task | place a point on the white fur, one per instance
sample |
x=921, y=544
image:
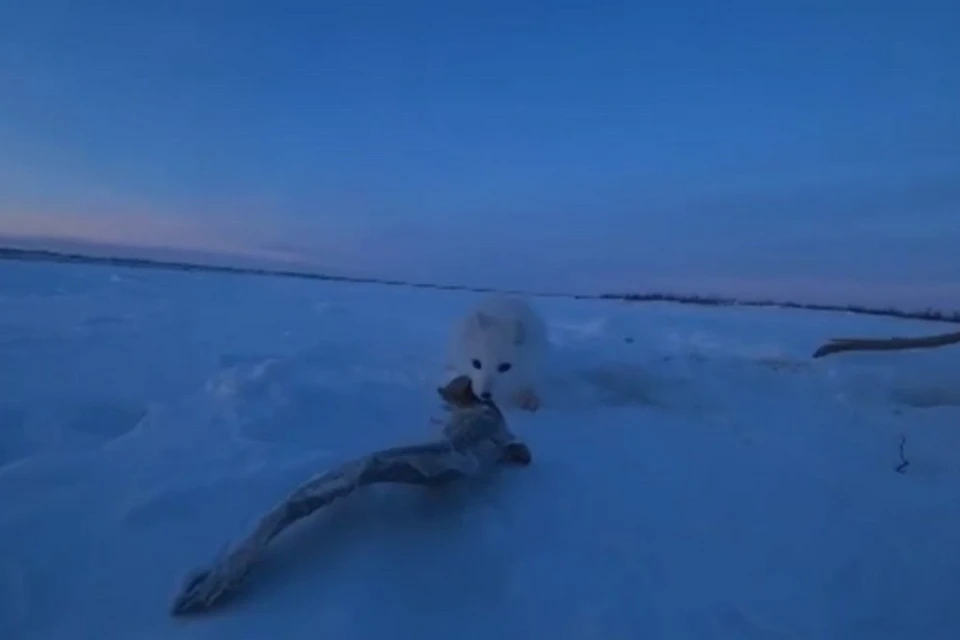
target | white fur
x=501, y=330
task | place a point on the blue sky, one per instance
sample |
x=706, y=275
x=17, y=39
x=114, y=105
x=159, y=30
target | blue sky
x=793, y=149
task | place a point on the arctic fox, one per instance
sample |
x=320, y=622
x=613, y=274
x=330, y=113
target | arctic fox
x=500, y=344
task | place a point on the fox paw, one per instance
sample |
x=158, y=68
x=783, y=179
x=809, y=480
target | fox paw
x=528, y=400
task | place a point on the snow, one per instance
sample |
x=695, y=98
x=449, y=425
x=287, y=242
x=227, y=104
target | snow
x=695, y=475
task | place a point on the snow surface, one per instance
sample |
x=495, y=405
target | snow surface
x=696, y=474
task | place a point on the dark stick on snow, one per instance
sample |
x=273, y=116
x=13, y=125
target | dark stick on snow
x=841, y=345
x=903, y=458
x=475, y=440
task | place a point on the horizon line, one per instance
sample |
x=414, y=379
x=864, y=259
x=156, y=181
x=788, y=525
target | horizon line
x=19, y=254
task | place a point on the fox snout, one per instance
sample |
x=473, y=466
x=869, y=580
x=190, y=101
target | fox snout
x=483, y=386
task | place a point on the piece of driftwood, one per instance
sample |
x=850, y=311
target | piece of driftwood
x=840, y=345
x=475, y=440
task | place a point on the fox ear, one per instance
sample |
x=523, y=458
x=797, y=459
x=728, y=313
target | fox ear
x=484, y=321
x=519, y=333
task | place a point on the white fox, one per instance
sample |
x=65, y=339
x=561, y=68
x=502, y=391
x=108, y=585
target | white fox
x=501, y=344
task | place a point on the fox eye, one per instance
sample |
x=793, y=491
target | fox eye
x=476, y=364
x=504, y=367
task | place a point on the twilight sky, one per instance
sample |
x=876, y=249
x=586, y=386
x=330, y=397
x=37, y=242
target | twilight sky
x=707, y=146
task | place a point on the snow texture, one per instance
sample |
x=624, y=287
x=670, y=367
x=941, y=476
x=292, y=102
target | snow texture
x=696, y=474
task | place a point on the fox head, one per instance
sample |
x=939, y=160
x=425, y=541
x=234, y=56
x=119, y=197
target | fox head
x=489, y=352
